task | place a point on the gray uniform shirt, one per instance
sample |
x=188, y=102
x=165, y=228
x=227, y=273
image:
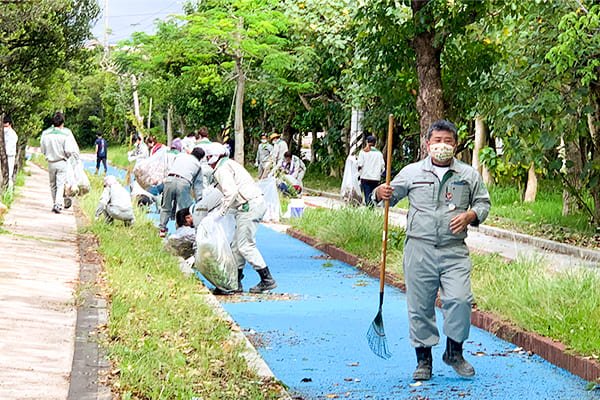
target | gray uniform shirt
x=188, y=167
x=433, y=203
x=58, y=144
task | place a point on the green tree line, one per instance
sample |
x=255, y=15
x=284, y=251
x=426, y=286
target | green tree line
x=520, y=80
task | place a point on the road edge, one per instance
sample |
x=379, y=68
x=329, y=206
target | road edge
x=549, y=349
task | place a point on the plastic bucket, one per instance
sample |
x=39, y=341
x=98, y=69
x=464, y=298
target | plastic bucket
x=296, y=208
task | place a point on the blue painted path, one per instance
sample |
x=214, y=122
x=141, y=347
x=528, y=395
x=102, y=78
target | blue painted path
x=312, y=333
x=313, y=337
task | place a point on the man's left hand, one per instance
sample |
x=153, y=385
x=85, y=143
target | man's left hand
x=461, y=221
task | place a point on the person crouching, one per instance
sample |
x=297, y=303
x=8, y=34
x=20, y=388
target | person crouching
x=115, y=203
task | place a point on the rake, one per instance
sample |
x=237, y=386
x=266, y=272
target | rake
x=376, y=334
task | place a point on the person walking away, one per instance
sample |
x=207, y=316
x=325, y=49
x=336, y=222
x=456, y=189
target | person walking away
x=244, y=199
x=139, y=152
x=204, y=141
x=262, y=155
x=115, y=203
x=100, y=153
x=183, y=175
x=445, y=196
x=293, y=167
x=58, y=144
x=279, y=149
x=370, y=167
x=10, y=144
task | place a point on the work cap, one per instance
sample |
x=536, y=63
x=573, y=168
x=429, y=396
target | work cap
x=176, y=144
x=275, y=135
x=109, y=180
x=213, y=151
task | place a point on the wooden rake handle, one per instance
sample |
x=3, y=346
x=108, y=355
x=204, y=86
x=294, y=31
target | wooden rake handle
x=386, y=212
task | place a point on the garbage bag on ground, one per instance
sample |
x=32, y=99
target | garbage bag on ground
x=71, y=186
x=269, y=188
x=83, y=183
x=182, y=242
x=211, y=199
x=153, y=170
x=214, y=258
x=350, y=190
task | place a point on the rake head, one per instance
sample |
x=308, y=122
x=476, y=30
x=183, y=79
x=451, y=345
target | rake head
x=376, y=338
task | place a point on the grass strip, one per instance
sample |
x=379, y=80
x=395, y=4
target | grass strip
x=561, y=305
x=164, y=340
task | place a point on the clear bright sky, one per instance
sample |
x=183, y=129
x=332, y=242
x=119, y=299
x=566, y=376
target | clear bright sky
x=128, y=16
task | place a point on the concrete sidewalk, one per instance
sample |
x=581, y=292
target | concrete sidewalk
x=39, y=271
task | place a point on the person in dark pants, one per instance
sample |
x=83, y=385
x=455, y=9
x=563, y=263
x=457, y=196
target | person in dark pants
x=370, y=168
x=100, y=153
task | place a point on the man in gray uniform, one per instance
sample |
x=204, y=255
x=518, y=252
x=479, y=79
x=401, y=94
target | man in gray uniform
x=115, y=203
x=184, y=174
x=58, y=144
x=262, y=155
x=244, y=199
x=445, y=196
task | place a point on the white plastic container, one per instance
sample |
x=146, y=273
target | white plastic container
x=296, y=208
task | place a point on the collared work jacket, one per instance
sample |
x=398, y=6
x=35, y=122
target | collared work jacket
x=433, y=203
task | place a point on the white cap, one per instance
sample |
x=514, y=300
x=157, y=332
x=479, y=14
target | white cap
x=213, y=151
x=109, y=180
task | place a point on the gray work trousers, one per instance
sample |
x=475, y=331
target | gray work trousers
x=57, y=173
x=111, y=212
x=176, y=195
x=243, y=244
x=426, y=269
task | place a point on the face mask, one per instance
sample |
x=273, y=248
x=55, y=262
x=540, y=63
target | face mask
x=441, y=152
x=263, y=140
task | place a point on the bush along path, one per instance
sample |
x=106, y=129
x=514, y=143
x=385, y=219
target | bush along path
x=311, y=333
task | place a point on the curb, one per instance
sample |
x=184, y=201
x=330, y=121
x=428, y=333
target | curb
x=545, y=244
x=88, y=356
x=551, y=350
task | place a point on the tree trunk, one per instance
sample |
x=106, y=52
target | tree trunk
x=430, y=102
x=481, y=138
x=532, y=183
x=170, y=125
x=240, y=81
x=570, y=151
x=136, y=107
x=3, y=158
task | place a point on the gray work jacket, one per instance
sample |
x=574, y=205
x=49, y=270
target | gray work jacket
x=433, y=204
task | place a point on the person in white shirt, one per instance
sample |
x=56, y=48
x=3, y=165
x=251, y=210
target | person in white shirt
x=139, y=152
x=10, y=143
x=370, y=168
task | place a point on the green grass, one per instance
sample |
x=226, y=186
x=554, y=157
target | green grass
x=164, y=339
x=318, y=181
x=357, y=230
x=563, y=306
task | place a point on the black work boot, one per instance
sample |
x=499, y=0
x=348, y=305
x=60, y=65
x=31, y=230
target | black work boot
x=425, y=364
x=266, y=281
x=453, y=357
x=240, y=289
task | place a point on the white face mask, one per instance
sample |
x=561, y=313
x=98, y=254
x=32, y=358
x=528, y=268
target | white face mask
x=263, y=140
x=441, y=152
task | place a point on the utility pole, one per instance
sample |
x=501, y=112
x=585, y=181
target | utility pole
x=106, y=48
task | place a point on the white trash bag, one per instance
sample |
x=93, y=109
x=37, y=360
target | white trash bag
x=269, y=188
x=83, y=183
x=71, y=187
x=350, y=190
x=153, y=170
x=182, y=242
x=214, y=258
